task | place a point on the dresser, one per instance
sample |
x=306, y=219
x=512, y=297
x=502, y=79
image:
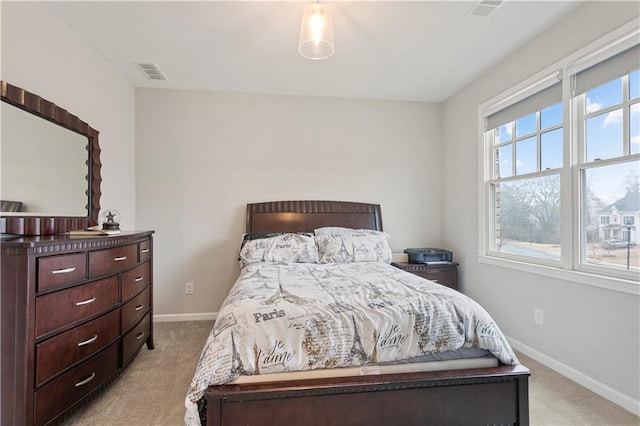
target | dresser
x=443, y=273
x=75, y=312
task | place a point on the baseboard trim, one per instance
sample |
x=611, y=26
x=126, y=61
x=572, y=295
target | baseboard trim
x=204, y=316
x=582, y=379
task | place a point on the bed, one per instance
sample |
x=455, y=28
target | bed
x=242, y=379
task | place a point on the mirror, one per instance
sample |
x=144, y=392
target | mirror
x=50, y=167
x=43, y=165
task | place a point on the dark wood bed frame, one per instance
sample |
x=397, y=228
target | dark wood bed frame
x=495, y=396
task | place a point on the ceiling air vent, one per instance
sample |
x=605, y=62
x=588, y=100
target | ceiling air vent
x=485, y=7
x=151, y=71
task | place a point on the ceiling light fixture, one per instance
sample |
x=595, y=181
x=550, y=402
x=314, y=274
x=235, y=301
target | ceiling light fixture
x=316, y=33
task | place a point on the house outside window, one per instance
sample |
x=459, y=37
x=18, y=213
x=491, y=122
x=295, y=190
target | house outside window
x=564, y=149
x=627, y=208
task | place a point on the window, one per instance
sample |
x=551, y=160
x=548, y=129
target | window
x=608, y=116
x=526, y=142
x=562, y=165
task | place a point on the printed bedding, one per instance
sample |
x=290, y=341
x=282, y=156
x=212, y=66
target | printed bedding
x=305, y=316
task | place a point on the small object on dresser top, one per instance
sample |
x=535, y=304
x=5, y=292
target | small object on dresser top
x=110, y=219
x=93, y=232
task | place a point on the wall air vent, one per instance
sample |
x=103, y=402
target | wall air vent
x=151, y=71
x=485, y=7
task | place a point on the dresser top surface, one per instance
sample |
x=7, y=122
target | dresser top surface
x=57, y=239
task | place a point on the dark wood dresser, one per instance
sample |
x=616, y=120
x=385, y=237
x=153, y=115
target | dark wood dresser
x=75, y=312
x=445, y=274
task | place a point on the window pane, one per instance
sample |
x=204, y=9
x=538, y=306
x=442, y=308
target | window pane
x=609, y=216
x=604, y=96
x=604, y=135
x=551, y=116
x=634, y=85
x=526, y=158
x=505, y=161
x=551, y=149
x=634, y=128
x=526, y=125
x=505, y=132
x=528, y=217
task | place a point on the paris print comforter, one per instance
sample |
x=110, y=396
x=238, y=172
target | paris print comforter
x=305, y=316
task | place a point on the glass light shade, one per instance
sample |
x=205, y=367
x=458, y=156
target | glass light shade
x=109, y=219
x=316, y=33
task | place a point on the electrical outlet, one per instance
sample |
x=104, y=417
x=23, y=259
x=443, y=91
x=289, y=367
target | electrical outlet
x=188, y=288
x=538, y=316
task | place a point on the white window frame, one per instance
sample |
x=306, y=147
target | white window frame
x=569, y=267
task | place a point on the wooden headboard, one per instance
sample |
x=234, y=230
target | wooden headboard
x=305, y=216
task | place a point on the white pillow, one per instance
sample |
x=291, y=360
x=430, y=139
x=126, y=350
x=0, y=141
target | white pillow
x=280, y=248
x=343, y=245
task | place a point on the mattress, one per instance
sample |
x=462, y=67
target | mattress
x=486, y=361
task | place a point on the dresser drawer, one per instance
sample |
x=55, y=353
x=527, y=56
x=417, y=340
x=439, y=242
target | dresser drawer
x=103, y=262
x=64, y=307
x=134, y=339
x=63, y=392
x=54, y=271
x=444, y=277
x=135, y=280
x=135, y=309
x=64, y=350
x=145, y=250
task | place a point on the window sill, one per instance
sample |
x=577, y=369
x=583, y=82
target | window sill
x=609, y=283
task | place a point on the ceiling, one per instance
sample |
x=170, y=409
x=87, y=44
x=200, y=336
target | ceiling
x=411, y=51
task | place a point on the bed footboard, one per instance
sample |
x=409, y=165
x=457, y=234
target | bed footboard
x=476, y=396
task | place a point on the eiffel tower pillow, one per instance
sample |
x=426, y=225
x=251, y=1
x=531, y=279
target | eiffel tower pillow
x=279, y=248
x=355, y=245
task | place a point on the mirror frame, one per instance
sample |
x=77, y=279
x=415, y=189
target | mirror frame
x=46, y=225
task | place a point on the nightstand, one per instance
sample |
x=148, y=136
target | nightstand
x=445, y=274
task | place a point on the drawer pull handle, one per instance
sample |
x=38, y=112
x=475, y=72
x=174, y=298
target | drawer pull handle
x=140, y=335
x=87, y=342
x=85, y=381
x=64, y=271
x=145, y=250
x=86, y=302
x=139, y=307
x=120, y=259
x=138, y=279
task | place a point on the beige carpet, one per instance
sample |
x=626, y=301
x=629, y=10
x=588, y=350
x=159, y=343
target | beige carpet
x=152, y=390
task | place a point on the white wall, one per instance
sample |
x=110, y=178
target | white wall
x=202, y=156
x=594, y=331
x=41, y=54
